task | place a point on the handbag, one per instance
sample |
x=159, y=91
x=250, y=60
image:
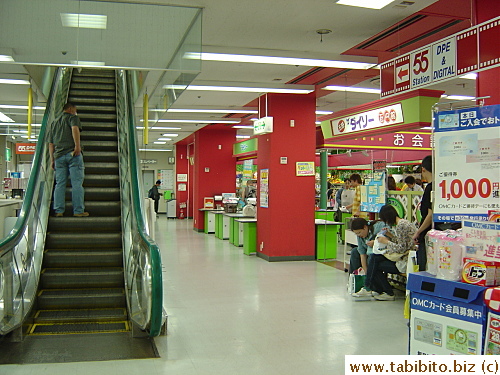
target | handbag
x=394, y=257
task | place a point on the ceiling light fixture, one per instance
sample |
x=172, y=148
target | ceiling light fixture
x=197, y=121
x=160, y=143
x=170, y=135
x=242, y=136
x=469, y=76
x=14, y=81
x=5, y=118
x=372, y=4
x=157, y=128
x=13, y=106
x=178, y=110
x=352, y=89
x=86, y=21
x=242, y=89
x=6, y=58
x=243, y=127
x=88, y=63
x=164, y=139
x=153, y=149
x=324, y=112
x=458, y=97
x=226, y=57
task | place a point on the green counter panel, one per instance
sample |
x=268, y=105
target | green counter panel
x=249, y=238
x=326, y=241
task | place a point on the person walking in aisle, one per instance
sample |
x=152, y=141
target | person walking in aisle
x=67, y=160
x=411, y=184
x=154, y=194
x=356, y=183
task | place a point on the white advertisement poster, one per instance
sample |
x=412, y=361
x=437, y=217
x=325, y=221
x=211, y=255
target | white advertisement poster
x=467, y=163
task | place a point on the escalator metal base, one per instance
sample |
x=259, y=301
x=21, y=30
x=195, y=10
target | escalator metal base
x=76, y=348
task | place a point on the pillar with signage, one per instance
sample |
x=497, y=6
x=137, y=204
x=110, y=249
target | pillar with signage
x=286, y=178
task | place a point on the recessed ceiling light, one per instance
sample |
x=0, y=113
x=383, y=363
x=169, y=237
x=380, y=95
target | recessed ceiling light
x=177, y=110
x=240, y=89
x=87, y=21
x=242, y=136
x=5, y=118
x=14, y=81
x=170, y=135
x=153, y=149
x=469, y=76
x=164, y=139
x=372, y=4
x=157, y=128
x=277, y=60
x=13, y=106
x=90, y=63
x=242, y=127
x=352, y=89
x=324, y=112
x=6, y=58
x=160, y=143
x=459, y=97
x=197, y=121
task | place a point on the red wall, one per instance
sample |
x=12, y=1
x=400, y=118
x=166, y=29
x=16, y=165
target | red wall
x=213, y=149
x=286, y=228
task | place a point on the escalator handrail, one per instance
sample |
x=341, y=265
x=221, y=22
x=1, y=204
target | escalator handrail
x=15, y=235
x=154, y=251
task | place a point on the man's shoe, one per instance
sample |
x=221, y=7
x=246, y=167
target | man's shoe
x=83, y=214
x=384, y=297
x=59, y=214
x=362, y=293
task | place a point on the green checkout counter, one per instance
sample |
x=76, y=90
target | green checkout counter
x=326, y=238
x=330, y=215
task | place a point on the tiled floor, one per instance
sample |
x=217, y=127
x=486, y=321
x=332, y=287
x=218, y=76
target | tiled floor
x=234, y=314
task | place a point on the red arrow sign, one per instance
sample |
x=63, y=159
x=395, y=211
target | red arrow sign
x=402, y=73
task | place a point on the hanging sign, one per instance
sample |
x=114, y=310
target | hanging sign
x=473, y=49
x=467, y=163
x=389, y=115
x=25, y=148
x=263, y=125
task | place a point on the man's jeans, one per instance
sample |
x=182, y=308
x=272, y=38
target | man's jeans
x=73, y=167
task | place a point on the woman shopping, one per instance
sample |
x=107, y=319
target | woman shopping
x=398, y=242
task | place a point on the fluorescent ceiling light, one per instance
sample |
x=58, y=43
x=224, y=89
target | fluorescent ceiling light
x=160, y=143
x=5, y=118
x=243, y=127
x=13, y=106
x=196, y=121
x=164, y=139
x=91, y=63
x=178, y=110
x=157, y=128
x=14, y=81
x=87, y=21
x=318, y=122
x=469, y=76
x=153, y=149
x=6, y=58
x=239, y=89
x=277, y=60
x=242, y=136
x=458, y=97
x=324, y=112
x=426, y=128
x=372, y=4
x=352, y=89
x=20, y=131
x=170, y=135
x=19, y=124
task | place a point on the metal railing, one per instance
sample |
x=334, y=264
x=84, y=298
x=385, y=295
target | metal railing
x=142, y=261
x=21, y=252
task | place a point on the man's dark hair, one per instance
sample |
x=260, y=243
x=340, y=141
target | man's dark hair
x=427, y=163
x=158, y=182
x=358, y=223
x=356, y=177
x=388, y=214
x=410, y=180
x=68, y=105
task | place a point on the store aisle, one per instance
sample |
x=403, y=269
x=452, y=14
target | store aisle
x=234, y=314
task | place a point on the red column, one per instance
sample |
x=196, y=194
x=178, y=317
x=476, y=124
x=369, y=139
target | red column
x=214, y=167
x=285, y=230
x=488, y=81
x=181, y=167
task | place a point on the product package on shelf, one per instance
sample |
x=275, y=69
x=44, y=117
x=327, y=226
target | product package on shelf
x=480, y=272
x=450, y=254
x=492, y=336
x=432, y=250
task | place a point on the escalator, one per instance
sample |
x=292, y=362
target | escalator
x=68, y=283
x=82, y=282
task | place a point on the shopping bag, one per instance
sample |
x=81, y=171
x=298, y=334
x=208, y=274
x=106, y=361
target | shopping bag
x=355, y=283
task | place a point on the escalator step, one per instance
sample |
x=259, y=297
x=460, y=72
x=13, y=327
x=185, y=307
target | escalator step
x=82, y=100
x=99, y=135
x=92, y=93
x=83, y=224
x=83, y=240
x=101, y=156
x=107, y=194
x=91, y=298
x=91, y=277
x=98, y=116
x=93, y=86
x=87, y=315
x=95, y=208
x=82, y=258
x=99, y=145
x=99, y=180
x=84, y=78
x=102, y=168
x=72, y=328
